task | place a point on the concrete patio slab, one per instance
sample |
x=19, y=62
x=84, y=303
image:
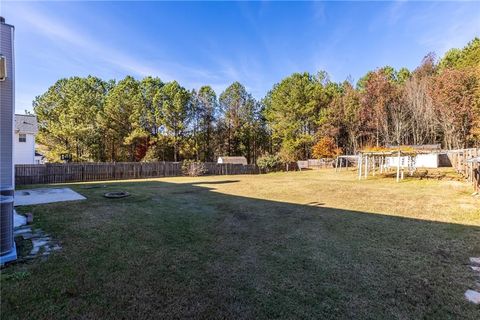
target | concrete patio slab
x=45, y=195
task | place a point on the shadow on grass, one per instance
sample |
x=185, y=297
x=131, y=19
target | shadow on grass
x=181, y=251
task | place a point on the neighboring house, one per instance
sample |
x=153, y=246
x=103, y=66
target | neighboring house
x=39, y=158
x=232, y=160
x=24, y=141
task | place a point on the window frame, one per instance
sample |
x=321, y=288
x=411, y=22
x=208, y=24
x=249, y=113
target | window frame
x=22, y=137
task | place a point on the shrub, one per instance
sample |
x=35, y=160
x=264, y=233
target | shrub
x=326, y=148
x=268, y=162
x=193, y=168
x=287, y=156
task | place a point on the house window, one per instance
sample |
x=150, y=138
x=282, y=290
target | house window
x=22, y=137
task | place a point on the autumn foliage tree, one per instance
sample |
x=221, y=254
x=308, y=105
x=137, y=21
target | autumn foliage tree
x=326, y=148
x=453, y=94
x=303, y=115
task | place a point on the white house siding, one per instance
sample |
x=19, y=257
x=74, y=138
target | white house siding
x=24, y=152
x=6, y=108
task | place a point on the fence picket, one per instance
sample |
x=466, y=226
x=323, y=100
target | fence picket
x=470, y=170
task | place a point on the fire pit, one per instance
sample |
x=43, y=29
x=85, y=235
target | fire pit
x=116, y=194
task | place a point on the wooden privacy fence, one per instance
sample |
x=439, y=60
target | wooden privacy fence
x=470, y=170
x=83, y=172
x=315, y=164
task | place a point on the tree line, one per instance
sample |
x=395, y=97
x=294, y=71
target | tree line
x=147, y=120
x=304, y=115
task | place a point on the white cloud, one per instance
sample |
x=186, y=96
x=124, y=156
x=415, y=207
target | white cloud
x=78, y=50
x=463, y=26
x=50, y=26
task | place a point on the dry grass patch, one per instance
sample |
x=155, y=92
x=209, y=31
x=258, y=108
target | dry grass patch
x=314, y=244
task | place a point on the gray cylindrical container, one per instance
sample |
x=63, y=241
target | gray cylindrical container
x=6, y=224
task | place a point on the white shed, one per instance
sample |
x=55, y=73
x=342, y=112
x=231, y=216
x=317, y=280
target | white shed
x=427, y=160
x=422, y=160
x=232, y=160
x=427, y=156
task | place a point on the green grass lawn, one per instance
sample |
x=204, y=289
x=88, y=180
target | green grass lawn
x=313, y=244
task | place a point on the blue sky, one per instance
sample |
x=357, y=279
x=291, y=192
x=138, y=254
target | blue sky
x=216, y=43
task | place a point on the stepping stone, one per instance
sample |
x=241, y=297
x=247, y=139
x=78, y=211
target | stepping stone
x=22, y=230
x=18, y=220
x=475, y=260
x=472, y=296
x=37, y=244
